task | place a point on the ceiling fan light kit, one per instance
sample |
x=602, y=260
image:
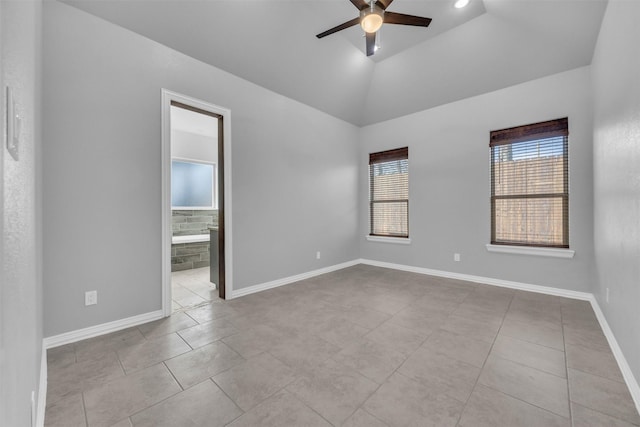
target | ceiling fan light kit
x=372, y=16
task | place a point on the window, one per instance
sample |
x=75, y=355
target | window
x=389, y=193
x=530, y=185
x=192, y=185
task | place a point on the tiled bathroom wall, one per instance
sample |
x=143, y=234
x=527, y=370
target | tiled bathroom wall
x=185, y=256
x=186, y=222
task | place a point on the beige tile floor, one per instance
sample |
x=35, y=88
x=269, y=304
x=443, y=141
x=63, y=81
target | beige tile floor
x=363, y=346
x=190, y=288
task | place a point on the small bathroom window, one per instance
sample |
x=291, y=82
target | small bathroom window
x=192, y=185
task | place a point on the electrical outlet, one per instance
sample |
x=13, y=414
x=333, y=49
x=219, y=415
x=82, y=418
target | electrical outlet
x=318, y=255
x=456, y=257
x=607, y=296
x=91, y=298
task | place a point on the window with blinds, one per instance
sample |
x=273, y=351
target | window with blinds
x=530, y=185
x=389, y=193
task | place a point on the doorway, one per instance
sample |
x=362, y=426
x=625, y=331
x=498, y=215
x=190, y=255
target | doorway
x=196, y=195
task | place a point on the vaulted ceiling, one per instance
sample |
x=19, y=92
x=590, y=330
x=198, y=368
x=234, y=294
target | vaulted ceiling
x=489, y=45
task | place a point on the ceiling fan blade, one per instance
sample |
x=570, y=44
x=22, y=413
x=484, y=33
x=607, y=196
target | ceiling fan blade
x=383, y=3
x=402, y=19
x=360, y=4
x=340, y=27
x=371, y=43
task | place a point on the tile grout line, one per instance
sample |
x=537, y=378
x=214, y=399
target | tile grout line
x=392, y=373
x=527, y=403
x=535, y=343
x=185, y=341
x=307, y=406
x=172, y=375
x=606, y=415
x=84, y=408
x=531, y=367
x=371, y=415
x=464, y=407
x=124, y=371
x=543, y=371
x=566, y=365
x=598, y=376
x=588, y=373
x=166, y=398
x=229, y=397
x=364, y=336
x=331, y=358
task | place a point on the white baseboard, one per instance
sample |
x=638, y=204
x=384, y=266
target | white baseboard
x=93, y=331
x=485, y=280
x=42, y=388
x=291, y=279
x=627, y=374
x=105, y=328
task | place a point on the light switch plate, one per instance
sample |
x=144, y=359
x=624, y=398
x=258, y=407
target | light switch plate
x=13, y=126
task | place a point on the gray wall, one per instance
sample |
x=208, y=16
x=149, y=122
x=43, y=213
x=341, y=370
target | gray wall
x=616, y=67
x=449, y=182
x=20, y=196
x=102, y=98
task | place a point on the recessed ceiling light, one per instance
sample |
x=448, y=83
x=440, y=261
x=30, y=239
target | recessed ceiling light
x=459, y=4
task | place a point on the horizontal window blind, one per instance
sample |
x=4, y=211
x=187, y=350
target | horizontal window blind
x=530, y=185
x=389, y=193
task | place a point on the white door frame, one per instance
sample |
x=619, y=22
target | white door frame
x=167, y=98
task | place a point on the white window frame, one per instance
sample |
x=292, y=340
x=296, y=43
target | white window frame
x=214, y=190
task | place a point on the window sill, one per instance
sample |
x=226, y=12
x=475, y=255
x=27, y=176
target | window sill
x=396, y=240
x=528, y=250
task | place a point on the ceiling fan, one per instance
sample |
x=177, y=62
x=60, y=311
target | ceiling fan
x=372, y=15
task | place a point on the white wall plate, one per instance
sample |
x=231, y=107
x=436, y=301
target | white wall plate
x=13, y=127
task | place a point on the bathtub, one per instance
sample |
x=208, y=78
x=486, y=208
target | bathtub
x=196, y=238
